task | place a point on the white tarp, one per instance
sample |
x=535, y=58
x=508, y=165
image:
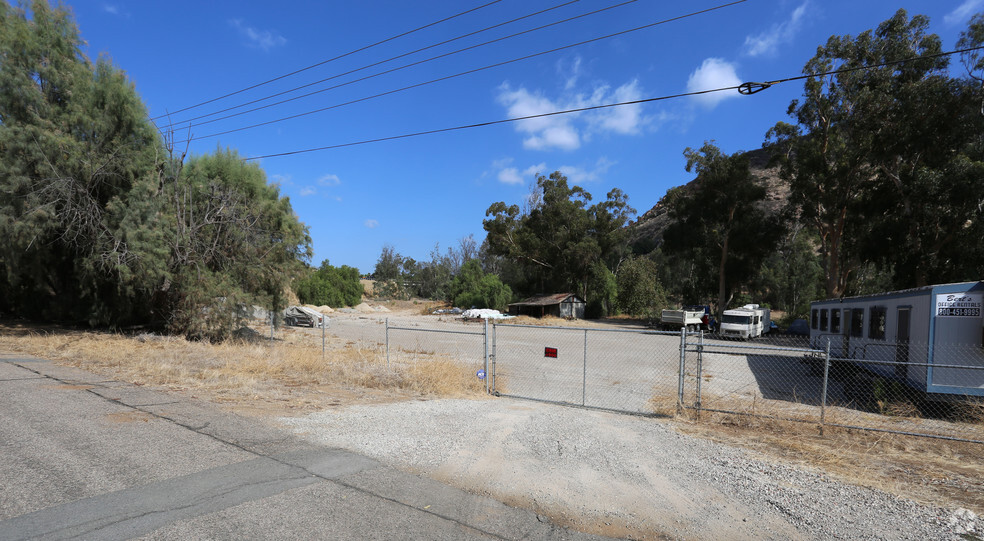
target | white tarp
x=302, y=315
x=484, y=313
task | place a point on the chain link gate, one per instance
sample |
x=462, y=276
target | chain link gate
x=625, y=370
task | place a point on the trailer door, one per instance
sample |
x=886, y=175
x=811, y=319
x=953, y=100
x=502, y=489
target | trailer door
x=902, y=342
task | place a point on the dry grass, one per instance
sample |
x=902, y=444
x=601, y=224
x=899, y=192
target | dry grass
x=290, y=372
x=932, y=471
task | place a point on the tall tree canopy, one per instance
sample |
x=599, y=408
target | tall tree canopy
x=79, y=231
x=884, y=160
x=719, y=222
x=562, y=243
x=98, y=224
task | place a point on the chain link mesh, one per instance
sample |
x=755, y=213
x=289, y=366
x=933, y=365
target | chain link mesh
x=882, y=387
x=625, y=370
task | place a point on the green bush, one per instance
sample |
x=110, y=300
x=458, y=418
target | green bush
x=331, y=286
x=473, y=288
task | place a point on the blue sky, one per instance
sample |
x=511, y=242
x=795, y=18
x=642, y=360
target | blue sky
x=413, y=193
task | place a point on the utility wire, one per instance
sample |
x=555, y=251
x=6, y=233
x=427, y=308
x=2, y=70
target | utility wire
x=490, y=66
x=295, y=72
x=288, y=91
x=610, y=105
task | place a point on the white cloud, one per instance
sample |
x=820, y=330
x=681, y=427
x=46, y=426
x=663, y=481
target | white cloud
x=263, y=39
x=580, y=175
x=624, y=119
x=963, y=12
x=371, y=224
x=535, y=170
x=308, y=190
x=571, y=72
x=329, y=180
x=544, y=132
x=768, y=42
x=510, y=175
x=569, y=131
x=713, y=73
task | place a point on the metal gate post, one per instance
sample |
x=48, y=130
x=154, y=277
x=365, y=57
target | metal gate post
x=683, y=367
x=823, y=392
x=584, y=373
x=387, y=343
x=485, y=354
x=700, y=368
x=494, y=355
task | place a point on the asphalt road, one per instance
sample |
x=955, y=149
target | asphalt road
x=83, y=457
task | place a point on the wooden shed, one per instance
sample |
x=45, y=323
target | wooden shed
x=566, y=305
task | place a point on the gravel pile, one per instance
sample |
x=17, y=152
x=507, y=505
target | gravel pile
x=621, y=475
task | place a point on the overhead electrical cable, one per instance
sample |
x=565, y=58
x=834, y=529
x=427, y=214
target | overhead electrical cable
x=468, y=72
x=176, y=124
x=760, y=86
x=360, y=49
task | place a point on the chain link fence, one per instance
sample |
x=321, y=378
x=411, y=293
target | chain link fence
x=635, y=371
x=880, y=387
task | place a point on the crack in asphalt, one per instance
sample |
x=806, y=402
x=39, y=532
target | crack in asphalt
x=257, y=454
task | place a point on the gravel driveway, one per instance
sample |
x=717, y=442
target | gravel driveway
x=621, y=475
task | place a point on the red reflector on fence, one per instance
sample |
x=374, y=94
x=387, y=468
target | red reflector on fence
x=550, y=352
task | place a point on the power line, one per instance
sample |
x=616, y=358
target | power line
x=490, y=66
x=173, y=124
x=295, y=72
x=760, y=86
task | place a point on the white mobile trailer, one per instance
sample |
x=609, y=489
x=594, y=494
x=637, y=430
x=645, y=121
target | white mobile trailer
x=749, y=321
x=923, y=337
x=674, y=319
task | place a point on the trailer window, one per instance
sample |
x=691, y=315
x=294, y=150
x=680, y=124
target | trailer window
x=876, y=323
x=857, y=322
x=813, y=318
x=823, y=319
x=835, y=321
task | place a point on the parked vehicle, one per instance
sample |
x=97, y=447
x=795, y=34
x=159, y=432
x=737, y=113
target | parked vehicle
x=694, y=318
x=301, y=316
x=799, y=327
x=928, y=338
x=749, y=321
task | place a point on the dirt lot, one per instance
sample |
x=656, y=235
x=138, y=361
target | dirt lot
x=290, y=378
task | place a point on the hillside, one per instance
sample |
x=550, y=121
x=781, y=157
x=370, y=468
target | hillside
x=646, y=233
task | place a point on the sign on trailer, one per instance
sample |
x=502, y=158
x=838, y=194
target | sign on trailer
x=550, y=352
x=959, y=305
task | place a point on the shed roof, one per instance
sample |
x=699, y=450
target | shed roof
x=547, y=300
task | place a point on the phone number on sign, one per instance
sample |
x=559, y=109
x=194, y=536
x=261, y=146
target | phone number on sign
x=959, y=312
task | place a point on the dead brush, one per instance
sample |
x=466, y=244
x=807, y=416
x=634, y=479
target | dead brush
x=243, y=368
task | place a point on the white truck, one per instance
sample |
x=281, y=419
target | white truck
x=749, y=321
x=690, y=317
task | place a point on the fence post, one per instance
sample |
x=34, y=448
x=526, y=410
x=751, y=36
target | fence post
x=387, y=343
x=324, y=323
x=584, y=373
x=700, y=368
x=683, y=367
x=485, y=355
x=495, y=355
x=823, y=391
x=273, y=319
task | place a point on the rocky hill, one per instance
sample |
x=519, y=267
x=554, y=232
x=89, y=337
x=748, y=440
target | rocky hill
x=646, y=233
